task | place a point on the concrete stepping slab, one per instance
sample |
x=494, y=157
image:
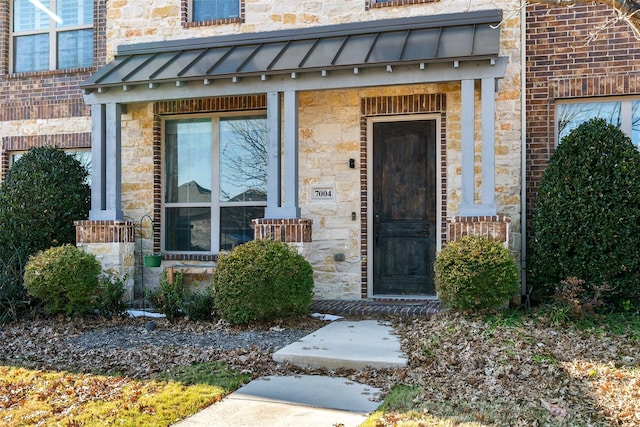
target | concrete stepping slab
x=301, y=400
x=346, y=344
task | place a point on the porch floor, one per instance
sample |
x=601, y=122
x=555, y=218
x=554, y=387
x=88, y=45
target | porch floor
x=376, y=307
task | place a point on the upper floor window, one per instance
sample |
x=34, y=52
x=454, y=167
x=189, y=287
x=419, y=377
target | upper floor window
x=52, y=34
x=215, y=10
x=623, y=113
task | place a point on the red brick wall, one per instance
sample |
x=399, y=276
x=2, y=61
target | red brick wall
x=45, y=94
x=562, y=63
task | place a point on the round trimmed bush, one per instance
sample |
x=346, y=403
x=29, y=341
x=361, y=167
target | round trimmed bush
x=262, y=280
x=586, y=222
x=475, y=273
x=64, y=278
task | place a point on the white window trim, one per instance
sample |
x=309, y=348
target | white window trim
x=215, y=203
x=53, y=30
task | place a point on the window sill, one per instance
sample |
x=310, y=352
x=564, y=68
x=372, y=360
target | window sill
x=194, y=24
x=189, y=257
x=377, y=5
x=44, y=73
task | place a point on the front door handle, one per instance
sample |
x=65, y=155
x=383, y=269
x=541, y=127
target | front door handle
x=376, y=228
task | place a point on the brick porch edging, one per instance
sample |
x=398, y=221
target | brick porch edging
x=408, y=308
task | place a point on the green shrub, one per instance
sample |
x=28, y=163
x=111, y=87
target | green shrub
x=40, y=197
x=586, y=221
x=168, y=297
x=43, y=193
x=474, y=273
x=261, y=280
x=198, y=305
x=64, y=278
x=110, y=295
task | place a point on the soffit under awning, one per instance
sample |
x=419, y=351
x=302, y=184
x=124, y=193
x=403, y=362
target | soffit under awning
x=327, y=51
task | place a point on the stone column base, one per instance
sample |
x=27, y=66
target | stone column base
x=113, y=244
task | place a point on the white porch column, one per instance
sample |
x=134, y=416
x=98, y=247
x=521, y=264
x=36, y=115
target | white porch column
x=488, y=120
x=277, y=208
x=106, y=162
x=291, y=208
x=487, y=206
x=274, y=154
x=467, y=133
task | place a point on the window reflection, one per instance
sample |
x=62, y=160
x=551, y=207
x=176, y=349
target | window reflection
x=235, y=225
x=188, y=229
x=188, y=161
x=206, y=10
x=570, y=116
x=243, y=160
x=622, y=113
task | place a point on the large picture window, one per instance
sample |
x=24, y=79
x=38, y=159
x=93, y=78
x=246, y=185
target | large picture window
x=215, y=181
x=623, y=113
x=52, y=34
x=215, y=10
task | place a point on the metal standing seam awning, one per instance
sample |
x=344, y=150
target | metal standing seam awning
x=460, y=47
x=383, y=44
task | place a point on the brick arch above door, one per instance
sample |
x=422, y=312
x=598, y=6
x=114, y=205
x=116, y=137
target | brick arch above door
x=396, y=106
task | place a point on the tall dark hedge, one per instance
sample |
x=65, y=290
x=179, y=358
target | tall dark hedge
x=586, y=222
x=42, y=194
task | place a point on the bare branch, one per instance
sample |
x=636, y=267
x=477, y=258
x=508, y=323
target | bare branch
x=625, y=10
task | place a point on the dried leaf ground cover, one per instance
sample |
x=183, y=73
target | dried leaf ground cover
x=464, y=370
x=521, y=370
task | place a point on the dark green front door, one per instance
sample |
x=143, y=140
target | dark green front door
x=404, y=207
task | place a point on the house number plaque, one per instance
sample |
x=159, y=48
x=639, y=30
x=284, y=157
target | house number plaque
x=322, y=193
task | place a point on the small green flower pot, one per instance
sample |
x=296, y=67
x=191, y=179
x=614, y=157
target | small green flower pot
x=152, y=260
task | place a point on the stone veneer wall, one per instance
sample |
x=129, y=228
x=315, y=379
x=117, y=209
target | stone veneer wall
x=134, y=21
x=113, y=244
x=330, y=128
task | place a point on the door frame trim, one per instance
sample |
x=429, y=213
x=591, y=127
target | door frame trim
x=437, y=117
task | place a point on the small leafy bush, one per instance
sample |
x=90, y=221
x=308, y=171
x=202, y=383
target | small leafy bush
x=110, y=295
x=262, y=280
x=198, y=305
x=168, y=297
x=64, y=279
x=475, y=273
x=586, y=221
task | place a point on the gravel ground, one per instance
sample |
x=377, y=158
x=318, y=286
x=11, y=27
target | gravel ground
x=135, y=336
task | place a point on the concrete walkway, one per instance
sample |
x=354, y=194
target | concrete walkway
x=312, y=400
x=346, y=344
